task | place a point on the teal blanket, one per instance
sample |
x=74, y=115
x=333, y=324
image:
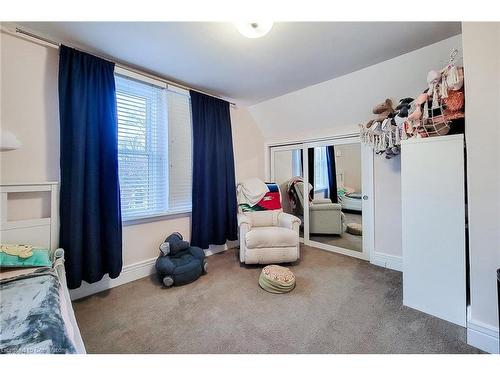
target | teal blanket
x=31, y=316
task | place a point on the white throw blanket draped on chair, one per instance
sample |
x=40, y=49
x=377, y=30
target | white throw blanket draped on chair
x=251, y=191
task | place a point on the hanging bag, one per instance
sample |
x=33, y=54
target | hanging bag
x=455, y=78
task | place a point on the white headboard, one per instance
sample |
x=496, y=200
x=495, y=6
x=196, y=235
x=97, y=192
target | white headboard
x=41, y=232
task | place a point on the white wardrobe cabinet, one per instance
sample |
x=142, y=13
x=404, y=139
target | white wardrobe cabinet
x=433, y=219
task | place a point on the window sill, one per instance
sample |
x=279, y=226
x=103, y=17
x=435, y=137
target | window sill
x=152, y=218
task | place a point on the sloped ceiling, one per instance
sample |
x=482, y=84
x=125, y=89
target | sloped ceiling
x=216, y=58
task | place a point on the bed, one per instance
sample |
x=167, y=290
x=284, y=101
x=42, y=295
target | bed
x=351, y=202
x=36, y=314
x=349, y=199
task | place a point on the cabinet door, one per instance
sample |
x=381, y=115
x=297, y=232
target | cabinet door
x=433, y=204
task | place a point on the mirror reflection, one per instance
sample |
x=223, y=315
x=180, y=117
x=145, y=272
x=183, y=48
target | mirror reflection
x=335, y=196
x=287, y=169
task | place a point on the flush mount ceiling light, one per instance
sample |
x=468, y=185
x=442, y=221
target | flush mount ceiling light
x=254, y=29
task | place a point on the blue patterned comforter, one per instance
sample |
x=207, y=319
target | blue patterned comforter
x=31, y=320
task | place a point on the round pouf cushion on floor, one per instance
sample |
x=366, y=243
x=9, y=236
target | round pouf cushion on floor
x=354, y=228
x=276, y=279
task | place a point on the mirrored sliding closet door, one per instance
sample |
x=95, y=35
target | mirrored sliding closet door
x=328, y=185
x=335, y=197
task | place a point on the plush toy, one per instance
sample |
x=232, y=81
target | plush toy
x=179, y=263
x=173, y=244
x=416, y=113
x=22, y=251
x=383, y=110
x=403, y=107
x=433, y=79
x=394, y=125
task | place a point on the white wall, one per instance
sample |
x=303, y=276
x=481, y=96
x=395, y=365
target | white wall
x=29, y=108
x=481, y=44
x=387, y=191
x=283, y=166
x=336, y=107
x=248, y=144
x=349, y=162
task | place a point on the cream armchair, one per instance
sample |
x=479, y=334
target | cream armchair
x=325, y=217
x=268, y=237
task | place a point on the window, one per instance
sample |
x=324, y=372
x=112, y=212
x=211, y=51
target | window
x=320, y=169
x=154, y=147
x=321, y=181
x=297, y=162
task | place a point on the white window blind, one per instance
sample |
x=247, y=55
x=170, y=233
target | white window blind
x=179, y=150
x=154, y=147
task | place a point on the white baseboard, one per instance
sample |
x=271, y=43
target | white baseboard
x=129, y=273
x=482, y=336
x=392, y=262
x=214, y=249
x=134, y=272
x=339, y=250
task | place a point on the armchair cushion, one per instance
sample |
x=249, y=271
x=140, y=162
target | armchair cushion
x=286, y=220
x=244, y=219
x=262, y=218
x=260, y=237
x=321, y=201
x=326, y=207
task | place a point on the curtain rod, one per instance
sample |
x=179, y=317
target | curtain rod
x=120, y=65
x=312, y=140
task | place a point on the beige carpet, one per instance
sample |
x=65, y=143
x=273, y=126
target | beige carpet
x=346, y=240
x=340, y=305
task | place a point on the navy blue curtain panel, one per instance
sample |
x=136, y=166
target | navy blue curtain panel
x=214, y=188
x=332, y=174
x=91, y=230
x=310, y=167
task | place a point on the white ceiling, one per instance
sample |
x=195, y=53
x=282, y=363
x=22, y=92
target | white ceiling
x=214, y=57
